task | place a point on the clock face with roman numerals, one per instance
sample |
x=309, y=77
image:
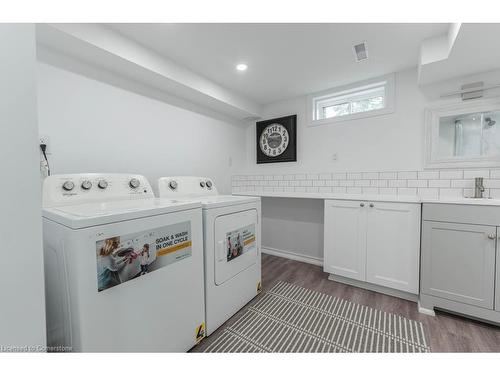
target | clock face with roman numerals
x=274, y=140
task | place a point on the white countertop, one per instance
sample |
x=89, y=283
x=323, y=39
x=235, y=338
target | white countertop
x=375, y=198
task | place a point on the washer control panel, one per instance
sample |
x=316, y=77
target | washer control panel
x=186, y=186
x=60, y=190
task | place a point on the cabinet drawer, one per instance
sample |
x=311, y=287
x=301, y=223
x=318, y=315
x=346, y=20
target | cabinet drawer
x=462, y=213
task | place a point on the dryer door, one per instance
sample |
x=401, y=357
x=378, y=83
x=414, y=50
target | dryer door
x=235, y=244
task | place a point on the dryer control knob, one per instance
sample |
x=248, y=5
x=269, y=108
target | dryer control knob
x=202, y=184
x=209, y=184
x=134, y=183
x=172, y=185
x=68, y=185
x=103, y=184
x=86, y=185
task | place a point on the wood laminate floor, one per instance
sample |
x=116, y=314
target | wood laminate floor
x=447, y=332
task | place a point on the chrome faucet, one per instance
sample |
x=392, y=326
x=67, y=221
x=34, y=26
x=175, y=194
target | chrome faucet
x=478, y=187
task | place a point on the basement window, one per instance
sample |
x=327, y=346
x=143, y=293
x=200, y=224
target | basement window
x=365, y=99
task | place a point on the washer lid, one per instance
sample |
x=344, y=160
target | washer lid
x=216, y=201
x=92, y=214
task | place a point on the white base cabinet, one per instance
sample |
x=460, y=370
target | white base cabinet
x=374, y=242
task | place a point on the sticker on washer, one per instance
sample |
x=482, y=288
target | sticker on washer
x=240, y=241
x=199, y=333
x=126, y=257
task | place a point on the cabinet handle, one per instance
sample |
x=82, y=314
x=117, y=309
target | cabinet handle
x=361, y=205
x=372, y=205
x=491, y=236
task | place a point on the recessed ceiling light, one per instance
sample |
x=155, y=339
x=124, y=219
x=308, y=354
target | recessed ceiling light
x=241, y=67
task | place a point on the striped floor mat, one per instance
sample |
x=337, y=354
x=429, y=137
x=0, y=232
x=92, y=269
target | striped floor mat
x=292, y=319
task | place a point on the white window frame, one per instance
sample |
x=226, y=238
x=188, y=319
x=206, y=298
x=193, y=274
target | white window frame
x=337, y=93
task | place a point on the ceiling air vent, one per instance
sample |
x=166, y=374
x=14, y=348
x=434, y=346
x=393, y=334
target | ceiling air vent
x=360, y=52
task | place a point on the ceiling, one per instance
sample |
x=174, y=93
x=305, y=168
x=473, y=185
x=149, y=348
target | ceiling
x=284, y=60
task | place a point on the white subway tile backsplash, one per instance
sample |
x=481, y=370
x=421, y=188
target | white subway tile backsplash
x=439, y=183
x=494, y=193
x=428, y=183
x=428, y=175
x=398, y=183
x=429, y=193
x=354, y=176
x=354, y=190
x=417, y=183
x=361, y=183
x=485, y=173
x=451, y=193
x=407, y=175
x=451, y=174
x=325, y=189
x=379, y=183
x=495, y=173
x=339, y=190
x=370, y=175
x=388, y=191
x=339, y=176
x=332, y=183
x=462, y=183
x=370, y=190
x=388, y=175
x=407, y=191
x=325, y=176
x=346, y=183
x=495, y=184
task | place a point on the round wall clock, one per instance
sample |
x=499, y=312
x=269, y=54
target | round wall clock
x=276, y=140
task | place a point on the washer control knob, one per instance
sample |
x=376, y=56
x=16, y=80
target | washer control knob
x=68, y=185
x=134, y=183
x=209, y=184
x=202, y=184
x=102, y=184
x=172, y=185
x=86, y=185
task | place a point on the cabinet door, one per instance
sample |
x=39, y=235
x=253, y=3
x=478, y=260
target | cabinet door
x=345, y=238
x=393, y=245
x=458, y=262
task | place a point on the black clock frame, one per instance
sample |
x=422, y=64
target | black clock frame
x=290, y=154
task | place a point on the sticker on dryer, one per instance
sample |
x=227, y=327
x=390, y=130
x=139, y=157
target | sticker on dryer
x=240, y=241
x=126, y=257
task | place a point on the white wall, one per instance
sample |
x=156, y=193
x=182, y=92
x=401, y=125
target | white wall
x=22, y=311
x=97, y=127
x=389, y=142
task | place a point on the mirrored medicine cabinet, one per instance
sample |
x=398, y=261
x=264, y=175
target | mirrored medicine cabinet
x=462, y=135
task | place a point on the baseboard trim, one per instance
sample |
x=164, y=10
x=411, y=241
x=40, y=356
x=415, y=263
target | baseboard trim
x=293, y=256
x=375, y=288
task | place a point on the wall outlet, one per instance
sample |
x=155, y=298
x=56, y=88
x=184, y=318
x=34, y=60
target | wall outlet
x=230, y=161
x=334, y=157
x=44, y=139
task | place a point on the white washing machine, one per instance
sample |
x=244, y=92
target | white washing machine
x=124, y=270
x=231, y=234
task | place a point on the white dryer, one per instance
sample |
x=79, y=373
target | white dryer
x=124, y=270
x=232, y=245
